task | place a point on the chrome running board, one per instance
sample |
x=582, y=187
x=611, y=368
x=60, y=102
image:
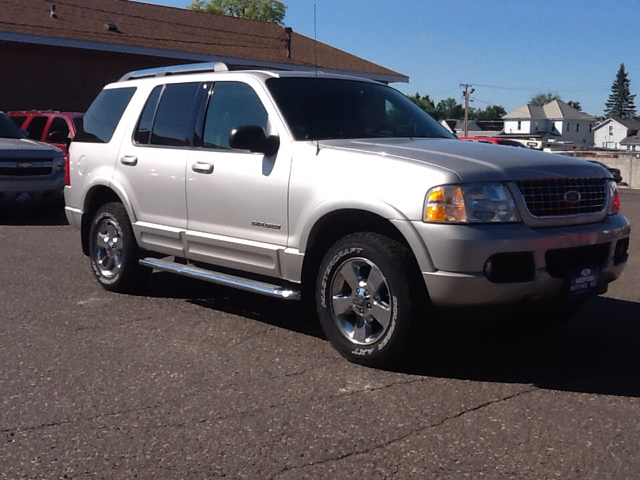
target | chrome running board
x=240, y=283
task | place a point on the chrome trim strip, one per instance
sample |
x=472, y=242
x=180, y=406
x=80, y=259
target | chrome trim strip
x=240, y=283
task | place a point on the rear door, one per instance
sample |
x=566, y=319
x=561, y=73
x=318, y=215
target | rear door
x=152, y=163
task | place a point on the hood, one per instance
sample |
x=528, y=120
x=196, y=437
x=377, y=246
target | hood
x=23, y=147
x=475, y=162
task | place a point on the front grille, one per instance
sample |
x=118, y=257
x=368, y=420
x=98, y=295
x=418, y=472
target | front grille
x=32, y=161
x=563, y=197
x=25, y=172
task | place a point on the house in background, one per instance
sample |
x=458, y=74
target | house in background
x=59, y=54
x=618, y=134
x=556, y=122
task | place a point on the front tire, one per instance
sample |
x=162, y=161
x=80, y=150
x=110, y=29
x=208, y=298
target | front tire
x=364, y=298
x=113, y=250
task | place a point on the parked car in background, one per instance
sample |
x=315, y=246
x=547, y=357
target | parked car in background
x=494, y=140
x=56, y=128
x=30, y=171
x=615, y=172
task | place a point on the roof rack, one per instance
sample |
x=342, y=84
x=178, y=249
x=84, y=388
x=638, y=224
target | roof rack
x=176, y=70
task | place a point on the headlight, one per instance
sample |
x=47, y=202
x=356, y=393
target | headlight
x=472, y=203
x=613, y=198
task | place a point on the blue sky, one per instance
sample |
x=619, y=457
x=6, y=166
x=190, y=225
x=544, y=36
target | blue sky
x=509, y=50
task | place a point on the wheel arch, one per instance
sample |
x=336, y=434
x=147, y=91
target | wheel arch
x=97, y=196
x=337, y=224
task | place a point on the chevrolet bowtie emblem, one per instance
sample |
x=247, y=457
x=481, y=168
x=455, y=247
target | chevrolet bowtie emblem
x=24, y=165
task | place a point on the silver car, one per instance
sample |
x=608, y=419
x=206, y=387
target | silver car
x=336, y=190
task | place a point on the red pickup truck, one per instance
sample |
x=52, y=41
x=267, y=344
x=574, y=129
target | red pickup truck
x=56, y=128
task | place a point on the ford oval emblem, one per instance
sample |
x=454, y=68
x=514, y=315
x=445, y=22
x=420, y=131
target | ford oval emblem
x=585, y=272
x=572, y=197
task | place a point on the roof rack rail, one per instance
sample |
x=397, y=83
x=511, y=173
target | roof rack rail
x=176, y=70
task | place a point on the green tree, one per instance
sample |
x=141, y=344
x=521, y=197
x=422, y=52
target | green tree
x=541, y=99
x=450, y=109
x=620, y=103
x=265, y=10
x=492, y=112
x=575, y=105
x=425, y=103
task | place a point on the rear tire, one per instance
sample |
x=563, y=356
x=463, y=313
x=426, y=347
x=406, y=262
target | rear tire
x=364, y=298
x=113, y=251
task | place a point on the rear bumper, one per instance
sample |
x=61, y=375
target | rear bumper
x=459, y=255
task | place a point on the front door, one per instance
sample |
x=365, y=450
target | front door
x=236, y=200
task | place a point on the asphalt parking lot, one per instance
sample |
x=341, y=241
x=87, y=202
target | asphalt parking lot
x=189, y=380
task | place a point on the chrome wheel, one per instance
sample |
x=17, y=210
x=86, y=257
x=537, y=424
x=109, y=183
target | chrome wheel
x=108, y=248
x=360, y=301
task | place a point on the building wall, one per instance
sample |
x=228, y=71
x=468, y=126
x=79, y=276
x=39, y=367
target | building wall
x=603, y=138
x=511, y=126
x=40, y=77
x=582, y=136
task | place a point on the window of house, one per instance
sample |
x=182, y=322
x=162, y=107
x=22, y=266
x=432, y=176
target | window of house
x=590, y=127
x=519, y=125
x=611, y=129
x=577, y=127
x=231, y=105
x=568, y=124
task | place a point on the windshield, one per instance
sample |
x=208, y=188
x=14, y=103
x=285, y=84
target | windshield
x=8, y=129
x=328, y=108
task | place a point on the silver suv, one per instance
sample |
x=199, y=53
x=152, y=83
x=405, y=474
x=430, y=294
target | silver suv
x=337, y=190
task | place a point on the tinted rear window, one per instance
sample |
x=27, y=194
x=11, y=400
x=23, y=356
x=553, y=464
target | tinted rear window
x=102, y=118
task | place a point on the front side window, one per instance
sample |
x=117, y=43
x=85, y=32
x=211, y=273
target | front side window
x=329, y=108
x=58, y=126
x=103, y=116
x=231, y=105
x=36, y=127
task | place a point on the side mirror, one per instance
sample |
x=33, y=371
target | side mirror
x=57, y=137
x=253, y=138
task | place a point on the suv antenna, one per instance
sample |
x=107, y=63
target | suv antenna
x=315, y=51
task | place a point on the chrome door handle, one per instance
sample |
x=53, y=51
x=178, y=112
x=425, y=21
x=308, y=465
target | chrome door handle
x=129, y=160
x=201, y=167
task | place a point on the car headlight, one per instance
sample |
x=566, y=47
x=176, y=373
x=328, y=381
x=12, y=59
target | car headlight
x=613, y=198
x=472, y=203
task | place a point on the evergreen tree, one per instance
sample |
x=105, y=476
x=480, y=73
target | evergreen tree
x=620, y=103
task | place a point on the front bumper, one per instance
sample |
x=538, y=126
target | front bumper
x=459, y=254
x=31, y=189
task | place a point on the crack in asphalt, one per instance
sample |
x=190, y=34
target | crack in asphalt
x=169, y=402
x=407, y=435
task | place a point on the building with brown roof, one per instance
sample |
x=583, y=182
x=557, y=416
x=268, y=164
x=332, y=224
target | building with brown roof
x=59, y=54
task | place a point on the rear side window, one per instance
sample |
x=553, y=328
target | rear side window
x=102, y=118
x=173, y=124
x=36, y=127
x=142, y=134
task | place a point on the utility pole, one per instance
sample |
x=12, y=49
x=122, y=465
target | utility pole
x=466, y=93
